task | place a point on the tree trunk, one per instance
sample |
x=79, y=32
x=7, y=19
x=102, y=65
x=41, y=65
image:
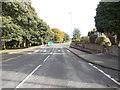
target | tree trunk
x=4, y=45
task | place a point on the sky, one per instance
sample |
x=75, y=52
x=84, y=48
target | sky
x=67, y=14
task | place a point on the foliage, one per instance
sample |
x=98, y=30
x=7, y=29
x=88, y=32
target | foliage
x=76, y=33
x=59, y=36
x=66, y=37
x=91, y=33
x=75, y=40
x=22, y=26
x=93, y=38
x=103, y=40
x=85, y=39
x=112, y=40
x=108, y=17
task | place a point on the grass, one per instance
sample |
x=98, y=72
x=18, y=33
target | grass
x=7, y=50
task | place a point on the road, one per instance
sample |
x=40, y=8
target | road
x=51, y=67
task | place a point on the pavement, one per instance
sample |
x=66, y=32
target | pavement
x=104, y=60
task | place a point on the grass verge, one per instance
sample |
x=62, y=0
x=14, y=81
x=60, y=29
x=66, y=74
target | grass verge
x=7, y=50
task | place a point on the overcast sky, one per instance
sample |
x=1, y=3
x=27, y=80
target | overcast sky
x=57, y=14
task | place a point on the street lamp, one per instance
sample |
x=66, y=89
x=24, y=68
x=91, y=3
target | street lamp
x=70, y=13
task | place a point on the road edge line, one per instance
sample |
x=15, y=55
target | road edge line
x=92, y=62
x=107, y=75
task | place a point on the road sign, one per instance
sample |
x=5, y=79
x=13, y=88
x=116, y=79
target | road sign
x=50, y=43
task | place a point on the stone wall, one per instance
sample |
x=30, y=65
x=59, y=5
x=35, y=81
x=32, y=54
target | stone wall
x=113, y=50
x=94, y=47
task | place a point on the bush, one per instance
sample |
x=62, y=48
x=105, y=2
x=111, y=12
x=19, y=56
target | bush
x=85, y=39
x=72, y=43
x=93, y=38
x=103, y=40
x=112, y=39
x=75, y=40
x=99, y=40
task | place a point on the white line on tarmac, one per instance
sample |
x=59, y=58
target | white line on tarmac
x=68, y=51
x=31, y=74
x=45, y=51
x=36, y=51
x=29, y=53
x=28, y=76
x=58, y=50
x=52, y=51
x=104, y=73
x=46, y=58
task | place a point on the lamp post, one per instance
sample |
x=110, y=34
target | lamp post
x=70, y=13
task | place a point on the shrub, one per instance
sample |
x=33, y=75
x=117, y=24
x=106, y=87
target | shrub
x=99, y=40
x=103, y=40
x=72, y=43
x=112, y=39
x=93, y=38
x=85, y=39
x=75, y=40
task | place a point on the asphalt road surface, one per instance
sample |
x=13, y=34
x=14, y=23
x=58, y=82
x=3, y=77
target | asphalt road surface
x=51, y=67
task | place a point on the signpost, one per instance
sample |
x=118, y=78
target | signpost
x=50, y=43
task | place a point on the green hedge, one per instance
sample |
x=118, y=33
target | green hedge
x=103, y=40
x=85, y=39
x=75, y=40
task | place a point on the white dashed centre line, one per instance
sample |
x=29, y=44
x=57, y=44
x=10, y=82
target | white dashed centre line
x=46, y=58
x=22, y=82
x=28, y=76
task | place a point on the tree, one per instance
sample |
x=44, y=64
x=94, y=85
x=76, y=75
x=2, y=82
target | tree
x=11, y=32
x=66, y=37
x=107, y=18
x=22, y=26
x=58, y=35
x=76, y=34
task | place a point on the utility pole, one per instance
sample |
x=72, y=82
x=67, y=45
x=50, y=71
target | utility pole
x=70, y=13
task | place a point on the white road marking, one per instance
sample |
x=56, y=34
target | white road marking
x=28, y=76
x=31, y=73
x=68, y=51
x=46, y=58
x=52, y=51
x=45, y=51
x=29, y=53
x=104, y=73
x=36, y=51
x=58, y=50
